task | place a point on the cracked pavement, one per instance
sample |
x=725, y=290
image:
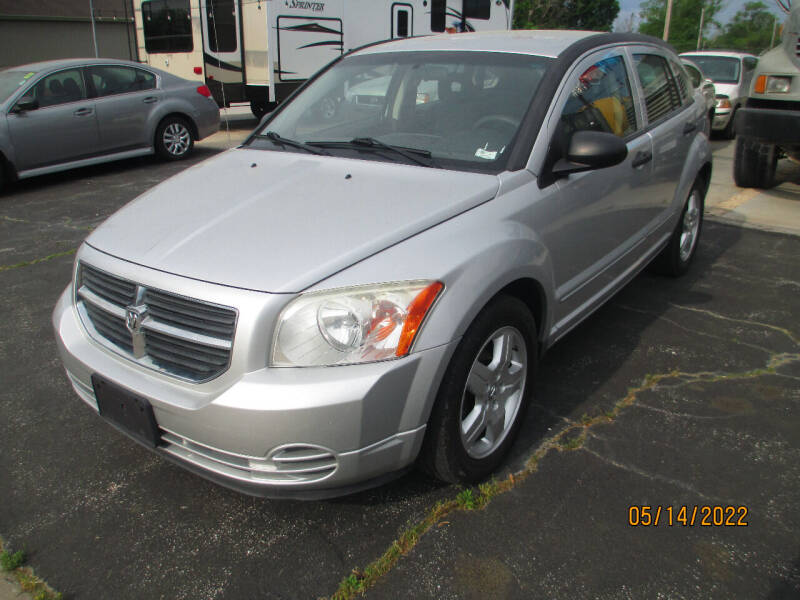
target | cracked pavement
x=680, y=393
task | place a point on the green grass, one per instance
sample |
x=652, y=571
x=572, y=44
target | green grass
x=13, y=562
x=9, y=561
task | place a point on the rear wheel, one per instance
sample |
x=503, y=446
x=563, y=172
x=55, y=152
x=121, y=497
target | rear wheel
x=754, y=164
x=483, y=394
x=174, y=138
x=678, y=254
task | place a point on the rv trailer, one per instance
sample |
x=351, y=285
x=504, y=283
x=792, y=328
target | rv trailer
x=259, y=51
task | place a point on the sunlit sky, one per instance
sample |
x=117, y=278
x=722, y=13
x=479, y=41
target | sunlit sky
x=729, y=8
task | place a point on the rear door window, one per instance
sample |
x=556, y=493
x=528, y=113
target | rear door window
x=111, y=80
x=661, y=94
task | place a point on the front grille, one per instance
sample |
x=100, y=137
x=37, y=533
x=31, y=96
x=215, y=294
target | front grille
x=183, y=337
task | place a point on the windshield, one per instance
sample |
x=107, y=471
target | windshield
x=10, y=82
x=719, y=69
x=459, y=110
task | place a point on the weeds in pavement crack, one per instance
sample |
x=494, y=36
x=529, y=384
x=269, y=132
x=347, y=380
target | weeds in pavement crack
x=28, y=263
x=13, y=562
x=572, y=437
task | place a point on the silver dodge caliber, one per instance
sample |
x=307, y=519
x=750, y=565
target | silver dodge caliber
x=370, y=278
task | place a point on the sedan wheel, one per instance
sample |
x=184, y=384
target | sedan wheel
x=174, y=138
x=675, y=258
x=483, y=394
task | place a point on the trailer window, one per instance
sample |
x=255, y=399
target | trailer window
x=221, y=16
x=167, y=26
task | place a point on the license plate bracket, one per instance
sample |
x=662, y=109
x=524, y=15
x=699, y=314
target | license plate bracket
x=131, y=413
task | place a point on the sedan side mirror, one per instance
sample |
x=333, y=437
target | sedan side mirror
x=26, y=103
x=589, y=150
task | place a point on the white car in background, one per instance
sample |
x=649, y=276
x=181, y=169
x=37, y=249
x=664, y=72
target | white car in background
x=731, y=73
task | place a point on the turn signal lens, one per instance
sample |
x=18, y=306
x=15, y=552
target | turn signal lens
x=204, y=91
x=761, y=84
x=416, y=313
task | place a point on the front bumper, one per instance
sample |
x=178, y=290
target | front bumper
x=721, y=118
x=275, y=432
x=769, y=125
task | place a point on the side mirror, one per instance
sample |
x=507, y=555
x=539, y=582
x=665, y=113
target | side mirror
x=26, y=103
x=589, y=150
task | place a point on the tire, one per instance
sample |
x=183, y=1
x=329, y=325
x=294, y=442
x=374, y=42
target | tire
x=492, y=411
x=754, y=164
x=260, y=108
x=730, y=132
x=677, y=255
x=174, y=139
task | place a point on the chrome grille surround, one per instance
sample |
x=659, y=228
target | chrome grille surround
x=182, y=337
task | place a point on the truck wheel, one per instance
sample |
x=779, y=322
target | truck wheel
x=675, y=258
x=174, y=138
x=754, y=164
x=483, y=394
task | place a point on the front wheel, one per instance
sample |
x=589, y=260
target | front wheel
x=174, y=138
x=678, y=254
x=483, y=394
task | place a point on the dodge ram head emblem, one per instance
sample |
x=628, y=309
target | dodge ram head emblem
x=134, y=317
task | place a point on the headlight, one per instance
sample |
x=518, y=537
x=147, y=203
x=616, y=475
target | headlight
x=778, y=85
x=352, y=325
x=723, y=102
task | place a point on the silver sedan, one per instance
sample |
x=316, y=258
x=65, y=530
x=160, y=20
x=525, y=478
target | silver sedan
x=307, y=314
x=64, y=114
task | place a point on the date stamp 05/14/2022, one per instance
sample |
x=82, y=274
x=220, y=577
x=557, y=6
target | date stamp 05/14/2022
x=687, y=516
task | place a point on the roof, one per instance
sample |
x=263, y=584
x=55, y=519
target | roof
x=68, y=62
x=541, y=42
x=726, y=53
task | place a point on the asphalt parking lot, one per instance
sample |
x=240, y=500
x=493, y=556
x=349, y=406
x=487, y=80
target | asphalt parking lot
x=678, y=393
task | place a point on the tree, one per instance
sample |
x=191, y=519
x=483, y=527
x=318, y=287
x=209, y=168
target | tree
x=750, y=30
x=594, y=15
x=684, y=22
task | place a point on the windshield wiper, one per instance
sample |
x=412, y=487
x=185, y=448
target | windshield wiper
x=279, y=139
x=415, y=155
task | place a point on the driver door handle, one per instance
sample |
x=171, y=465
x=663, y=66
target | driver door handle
x=83, y=112
x=641, y=158
x=150, y=100
x=689, y=127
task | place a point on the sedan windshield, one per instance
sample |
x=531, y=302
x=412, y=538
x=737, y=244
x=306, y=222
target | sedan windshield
x=457, y=110
x=719, y=69
x=11, y=81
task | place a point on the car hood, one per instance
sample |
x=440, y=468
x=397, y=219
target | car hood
x=282, y=221
x=731, y=90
